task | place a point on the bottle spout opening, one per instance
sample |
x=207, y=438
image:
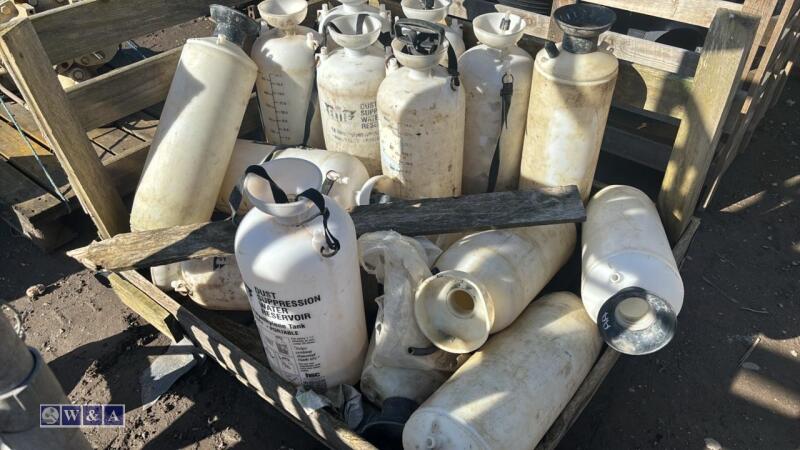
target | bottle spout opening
x=498, y=30
x=293, y=176
x=582, y=24
x=355, y=32
x=635, y=321
x=453, y=311
x=283, y=14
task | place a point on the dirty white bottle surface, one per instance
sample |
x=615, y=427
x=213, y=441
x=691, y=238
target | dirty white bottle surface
x=286, y=70
x=213, y=283
x=630, y=282
x=486, y=280
x=347, y=81
x=485, y=69
x=307, y=302
x=570, y=99
x=196, y=133
x=507, y=395
x=421, y=119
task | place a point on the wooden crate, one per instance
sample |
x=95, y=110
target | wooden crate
x=698, y=90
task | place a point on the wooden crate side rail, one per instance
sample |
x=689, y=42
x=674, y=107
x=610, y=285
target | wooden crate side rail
x=25, y=59
x=124, y=91
x=71, y=31
x=658, y=56
x=718, y=77
x=693, y=12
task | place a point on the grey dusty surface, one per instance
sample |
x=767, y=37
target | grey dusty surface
x=742, y=281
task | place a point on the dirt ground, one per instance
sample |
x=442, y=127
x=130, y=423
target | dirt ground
x=742, y=280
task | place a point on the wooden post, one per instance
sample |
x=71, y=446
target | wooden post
x=718, y=77
x=24, y=57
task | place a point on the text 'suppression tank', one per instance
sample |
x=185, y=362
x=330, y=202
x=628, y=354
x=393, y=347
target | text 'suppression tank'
x=497, y=82
x=197, y=131
x=573, y=83
x=347, y=81
x=421, y=115
x=297, y=252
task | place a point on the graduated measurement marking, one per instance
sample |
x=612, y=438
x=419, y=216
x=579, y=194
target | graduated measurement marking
x=274, y=104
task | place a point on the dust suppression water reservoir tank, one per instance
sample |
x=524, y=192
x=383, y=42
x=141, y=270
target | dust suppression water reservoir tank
x=297, y=252
x=285, y=55
x=347, y=81
x=573, y=83
x=421, y=115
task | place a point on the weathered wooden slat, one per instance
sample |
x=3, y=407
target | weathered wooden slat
x=719, y=75
x=636, y=148
x=15, y=188
x=86, y=26
x=123, y=169
x=116, y=94
x=146, y=307
x=695, y=12
x=24, y=57
x=253, y=372
x=411, y=218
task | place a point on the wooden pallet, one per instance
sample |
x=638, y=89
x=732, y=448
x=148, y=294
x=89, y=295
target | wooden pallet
x=676, y=91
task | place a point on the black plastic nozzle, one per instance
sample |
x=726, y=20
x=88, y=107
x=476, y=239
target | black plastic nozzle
x=582, y=24
x=233, y=25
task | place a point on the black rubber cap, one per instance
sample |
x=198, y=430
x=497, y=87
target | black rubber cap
x=619, y=335
x=233, y=25
x=584, y=20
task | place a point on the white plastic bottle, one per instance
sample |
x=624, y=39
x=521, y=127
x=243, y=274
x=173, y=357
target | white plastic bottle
x=300, y=268
x=421, y=118
x=286, y=62
x=497, y=83
x=347, y=174
x=354, y=7
x=213, y=283
x=573, y=83
x=630, y=283
x=508, y=394
x=197, y=131
x=486, y=280
x=347, y=81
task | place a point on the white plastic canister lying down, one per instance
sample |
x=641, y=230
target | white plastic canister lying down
x=401, y=361
x=486, y=280
x=198, y=128
x=507, y=395
x=346, y=172
x=213, y=283
x=299, y=261
x=630, y=283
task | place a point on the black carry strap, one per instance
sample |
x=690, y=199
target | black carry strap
x=425, y=38
x=280, y=196
x=330, y=240
x=505, y=100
